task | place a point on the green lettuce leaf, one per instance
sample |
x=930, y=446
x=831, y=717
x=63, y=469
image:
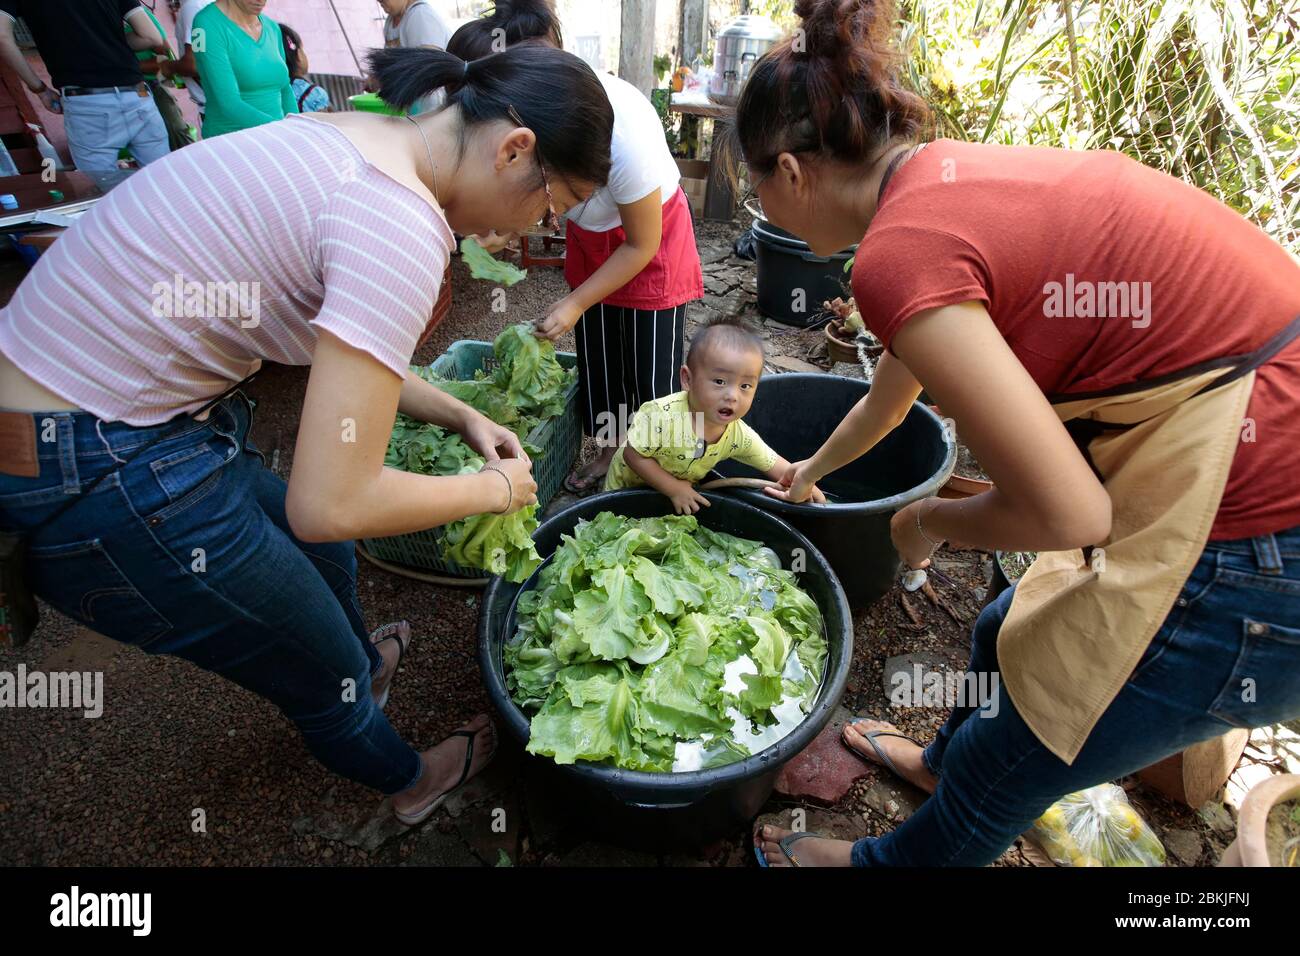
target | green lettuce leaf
x=761, y=694
x=771, y=648
x=609, y=615
x=483, y=265
x=642, y=618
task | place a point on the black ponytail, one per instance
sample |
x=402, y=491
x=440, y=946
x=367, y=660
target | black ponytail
x=556, y=95
x=833, y=89
x=292, y=50
x=510, y=22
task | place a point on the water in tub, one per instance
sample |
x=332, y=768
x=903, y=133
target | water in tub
x=789, y=713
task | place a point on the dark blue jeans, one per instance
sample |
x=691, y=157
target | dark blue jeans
x=187, y=551
x=1227, y=656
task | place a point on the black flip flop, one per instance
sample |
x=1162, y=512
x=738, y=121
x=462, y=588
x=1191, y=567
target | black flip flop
x=785, y=843
x=414, y=819
x=376, y=640
x=870, y=737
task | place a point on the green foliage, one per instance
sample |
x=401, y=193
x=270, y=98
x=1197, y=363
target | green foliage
x=623, y=646
x=1202, y=89
x=483, y=265
x=662, y=64
x=526, y=386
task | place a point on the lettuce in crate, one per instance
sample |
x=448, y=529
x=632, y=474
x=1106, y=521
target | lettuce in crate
x=525, y=386
x=498, y=544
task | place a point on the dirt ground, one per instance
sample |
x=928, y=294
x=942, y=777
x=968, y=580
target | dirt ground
x=184, y=768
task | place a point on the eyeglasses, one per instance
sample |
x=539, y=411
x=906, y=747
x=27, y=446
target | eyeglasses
x=551, y=220
x=752, y=192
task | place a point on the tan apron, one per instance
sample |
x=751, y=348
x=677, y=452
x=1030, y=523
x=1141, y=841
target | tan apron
x=1077, y=625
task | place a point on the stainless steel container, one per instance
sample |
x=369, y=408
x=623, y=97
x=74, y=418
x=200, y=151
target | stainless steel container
x=739, y=45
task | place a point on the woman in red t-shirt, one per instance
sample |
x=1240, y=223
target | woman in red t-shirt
x=1098, y=331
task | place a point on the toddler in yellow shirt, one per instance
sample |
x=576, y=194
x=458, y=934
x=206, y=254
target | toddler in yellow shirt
x=676, y=440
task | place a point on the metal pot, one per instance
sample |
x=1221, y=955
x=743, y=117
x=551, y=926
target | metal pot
x=739, y=45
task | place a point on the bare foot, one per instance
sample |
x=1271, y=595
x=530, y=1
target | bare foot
x=905, y=754
x=811, y=851
x=444, y=764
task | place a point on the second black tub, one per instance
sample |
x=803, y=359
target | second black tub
x=794, y=414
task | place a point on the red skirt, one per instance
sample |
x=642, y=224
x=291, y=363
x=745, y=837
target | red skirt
x=672, y=278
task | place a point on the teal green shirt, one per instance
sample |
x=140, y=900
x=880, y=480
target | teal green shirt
x=246, y=81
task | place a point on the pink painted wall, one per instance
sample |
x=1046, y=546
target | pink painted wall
x=315, y=23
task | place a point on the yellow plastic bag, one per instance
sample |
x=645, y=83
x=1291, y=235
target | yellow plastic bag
x=1097, y=827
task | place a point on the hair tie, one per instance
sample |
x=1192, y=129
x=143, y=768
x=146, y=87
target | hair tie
x=465, y=75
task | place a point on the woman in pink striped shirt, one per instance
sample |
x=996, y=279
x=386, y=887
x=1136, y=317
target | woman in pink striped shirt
x=316, y=241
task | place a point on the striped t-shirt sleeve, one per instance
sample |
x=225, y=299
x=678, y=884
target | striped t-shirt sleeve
x=383, y=255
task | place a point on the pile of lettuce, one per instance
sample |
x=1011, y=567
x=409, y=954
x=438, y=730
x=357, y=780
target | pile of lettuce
x=658, y=644
x=526, y=386
x=498, y=544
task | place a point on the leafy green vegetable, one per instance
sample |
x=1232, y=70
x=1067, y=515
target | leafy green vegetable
x=645, y=634
x=483, y=265
x=527, y=385
x=499, y=544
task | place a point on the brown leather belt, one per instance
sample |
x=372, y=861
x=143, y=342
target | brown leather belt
x=18, y=445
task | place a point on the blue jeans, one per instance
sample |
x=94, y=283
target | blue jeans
x=187, y=551
x=1228, y=655
x=100, y=125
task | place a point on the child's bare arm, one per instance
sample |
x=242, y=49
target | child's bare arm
x=685, y=499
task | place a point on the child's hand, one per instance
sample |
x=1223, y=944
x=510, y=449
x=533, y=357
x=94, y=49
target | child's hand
x=686, y=500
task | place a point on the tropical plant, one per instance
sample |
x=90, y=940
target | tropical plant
x=1202, y=89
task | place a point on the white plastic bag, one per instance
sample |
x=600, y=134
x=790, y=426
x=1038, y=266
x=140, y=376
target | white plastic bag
x=1097, y=827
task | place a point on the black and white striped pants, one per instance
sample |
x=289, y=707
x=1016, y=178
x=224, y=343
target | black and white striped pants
x=626, y=357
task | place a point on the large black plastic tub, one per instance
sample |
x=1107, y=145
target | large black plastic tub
x=785, y=264
x=634, y=807
x=795, y=413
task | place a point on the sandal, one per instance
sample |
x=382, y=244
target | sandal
x=419, y=816
x=785, y=844
x=870, y=737
x=399, y=631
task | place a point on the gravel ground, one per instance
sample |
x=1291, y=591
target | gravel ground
x=177, y=747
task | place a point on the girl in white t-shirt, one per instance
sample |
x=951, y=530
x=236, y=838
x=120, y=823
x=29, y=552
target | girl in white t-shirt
x=630, y=256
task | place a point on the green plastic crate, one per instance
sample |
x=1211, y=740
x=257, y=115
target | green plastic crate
x=559, y=438
x=371, y=103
